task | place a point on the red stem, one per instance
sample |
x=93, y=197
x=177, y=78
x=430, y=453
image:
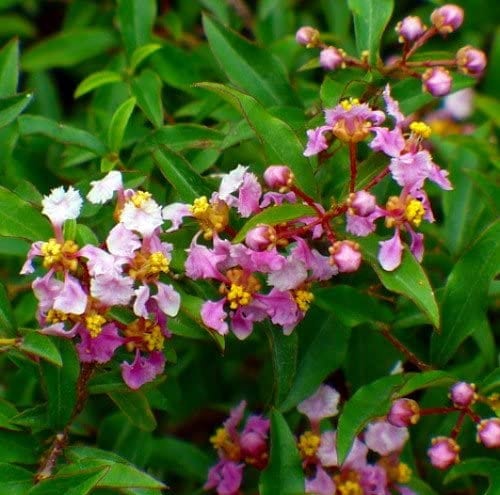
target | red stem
x=353, y=166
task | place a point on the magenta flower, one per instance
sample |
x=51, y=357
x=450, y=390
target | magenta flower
x=143, y=369
x=444, y=452
x=321, y=484
x=373, y=480
x=463, y=394
x=327, y=452
x=322, y=404
x=488, y=433
x=410, y=29
x=384, y=438
x=403, y=412
x=99, y=349
x=225, y=477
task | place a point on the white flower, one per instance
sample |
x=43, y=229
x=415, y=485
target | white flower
x=60, y=205
x=103, y=190
x=231, y=182
x=142, y=214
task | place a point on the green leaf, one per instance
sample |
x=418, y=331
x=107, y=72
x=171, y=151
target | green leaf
x=142, y=53
x=409, y=279
x=427, y=379
x=12, y=106
x=491, y=383
x=136, y=407
x=119, y=123
x=273, y=216
x=34, y=124
x=489, y=468
x=177, y=170
x=60, y=384
x=324, y=355
x=9, y=68
x=85, y=235
x=17, y=447
x=41, y=345
x=283, y=475
x=19, y=219
x=465, y=298
x=67, y=48
x=284, y=349
x=248, y=66
x=147, y=89
x=15, y=480
x=370, y=20
x=79, y=483
x=8, y=323
x=96, y=80
x=136, y=22
x=280, y=142
x=368, y=402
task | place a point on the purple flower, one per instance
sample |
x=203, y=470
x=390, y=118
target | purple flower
x=322, y=404
x=327, y=452
x=447, y=18
x=226, y=477
x=437, y=81
x=346, y=256
x=488, y=433
x=316, y=141
x=99, y=349
x=384, y=438
x=391, y=252
x=443, y=452
x=471, y=61
x=410, y=29
x=321, y=484
x=373, y=480
x=307, y=36
x=403, y=412
x=463, y=394
x=143, y=369
x=331, y=58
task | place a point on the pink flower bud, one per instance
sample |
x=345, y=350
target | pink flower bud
x=307, y=36
x=260, y=237
x=437, y=81
x=447, y=18
x=488, y=433
x=463, y=394
x=361, y=203
x=404, y=412
x=331, y=58
x=277, y=176
x=471, y=61
x=443, y=452
x=346, y=256
x=410, y=29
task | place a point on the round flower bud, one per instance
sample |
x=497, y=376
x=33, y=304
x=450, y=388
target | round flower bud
x=471, y=61
x=447, y=18
x=307, y=36
x=404, y=412
x=437, y=81
x=260, y=237
x=444, y=452
x=331, y=58
x=361, y=203
x=346, y=256
x=410, y=29
x=488, y=433
x=277, y=176
x=463, y=394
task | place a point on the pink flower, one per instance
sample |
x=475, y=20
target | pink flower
x=61, y=205
x=327, y=452
x=437, y=81
x=72, y=298
x=102, y=190
x=316, y=141
x=463, y=394
x=226, y=477
x=99, y=349
x=403, y=412
x=143, y=369
x=307, y=36
x=471, y=61
x=141, y=213
x=322, y=404
x=391, y=252
x=373, y=480
x=447, y=18
x=331, y=58
x=321, y=484
x=384, y=438
x=278, y=176
x=346, y=256
x=488, y=433
x=410, y=29
x=444, y=452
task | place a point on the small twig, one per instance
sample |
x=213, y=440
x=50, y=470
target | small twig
x=353, y=166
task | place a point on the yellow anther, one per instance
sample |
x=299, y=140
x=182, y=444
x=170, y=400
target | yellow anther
x=55, y=253
x=154, y=340
x=303, y=298
x=414, y=212
x=421, y=129
x=403, y=474
x=308, y=444
x=350, y=488
x=94, y=323
x=55, y=316
x=139, y=198
x=348, y=104
x=238, y=296
x=157, y=263
x=220, y=438
x=199, y=206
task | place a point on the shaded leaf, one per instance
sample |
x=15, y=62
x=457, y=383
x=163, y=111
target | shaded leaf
x=41, y=345
x=147, y=89
x=12, y=106
x=9, y=68
x=119, y=123
x=141, y=53
x=8, y=324
x=489, y=468
x=136, y=22
x=15, y=480
x=79, y=483
x=96, y=80
x=136, y=407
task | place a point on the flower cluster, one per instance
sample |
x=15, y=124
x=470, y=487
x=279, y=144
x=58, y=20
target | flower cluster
x=83, y=284
x=381, y=442
x=413, y=34
x=444, y=451
x=237, y=449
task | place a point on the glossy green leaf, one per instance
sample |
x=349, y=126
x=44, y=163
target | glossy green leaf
x=8, y=324
x=252, y=68
x=142, y=53
x=12, y=106
x=324, y=355
x=489, y=468
x=119, y=123
x=19, y=219
x=465, y=298
x=15, y=480
x=136, y=407
x=80, y=483
x=42, y=346
x=370, y=20
x=409, y=279
x=85, y=235
x=273, y=216
x=67, y=48
x=367, y=403
x=284, y=349
x=426, y=379
x=147, y=89
x=283, y=475
x=34, y=124
x=491, y=383
x=281, y=143
x=17, y=447
x=96, y=80
x=60, y=384
x=136, y=22
x=9, y=68
x=178, y=171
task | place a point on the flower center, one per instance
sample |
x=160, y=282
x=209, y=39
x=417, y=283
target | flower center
x=238, y=296
x=348, y=104
x=303, y=298
x=144, y=335
x=59, y=255
x=421, y=129
x=348, y=484
x=308, y=444
x=414, y=212
x=241, y=287
x=221, y=440
x=145, y=266
x=139, y=198
x=212, y=217
x=55, y=316
x=94, y=323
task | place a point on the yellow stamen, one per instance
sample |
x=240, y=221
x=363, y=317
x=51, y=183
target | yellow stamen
x=348, y=104
x=55, y=316
x=157, y=263
x=94, y=323
x=414, y=212
x=199, y=206
x=220, y=438
x=139, y=198
x=238, y=296
x=55, y=253
x=308, y=444
x=303, y=298
x=154, y=340
x=421, y=129
x=348, y=484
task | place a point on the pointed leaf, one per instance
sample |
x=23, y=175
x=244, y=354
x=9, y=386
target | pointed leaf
x=12, y=106
x=41, y=345
x=136, y=407
x=15, y=480
x=489, y=468
x=119, y=123
x=9, y=68
x=142, y=53
x=147, y=89
x=136, y=22
x=79, y=483
x=96, y=80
